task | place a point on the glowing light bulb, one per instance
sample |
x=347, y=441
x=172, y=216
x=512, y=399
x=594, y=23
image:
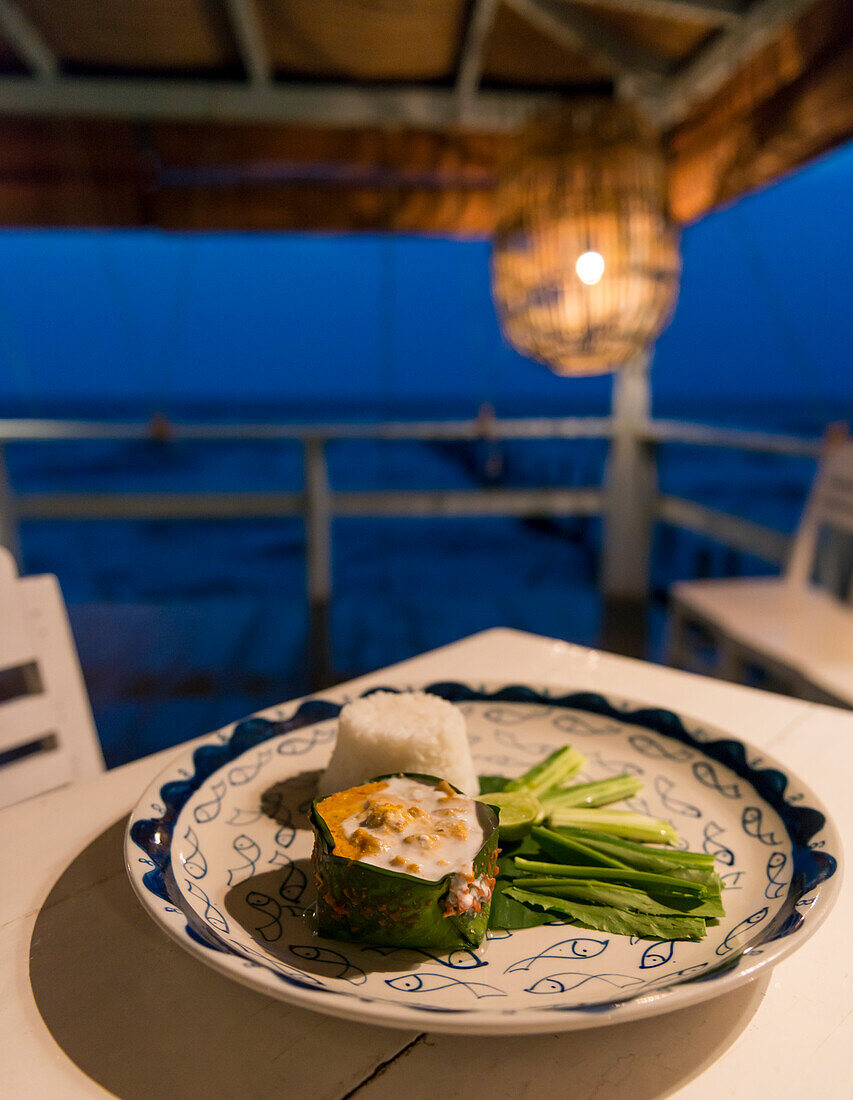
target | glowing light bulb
x=590, y=267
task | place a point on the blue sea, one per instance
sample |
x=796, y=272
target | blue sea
x=183, y=626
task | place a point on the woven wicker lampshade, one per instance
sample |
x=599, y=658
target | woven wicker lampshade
x=585, y=263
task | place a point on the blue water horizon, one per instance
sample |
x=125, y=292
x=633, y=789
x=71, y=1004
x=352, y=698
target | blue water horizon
x=185, y=625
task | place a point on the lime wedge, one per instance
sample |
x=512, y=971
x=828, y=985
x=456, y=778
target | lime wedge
x=518, y=812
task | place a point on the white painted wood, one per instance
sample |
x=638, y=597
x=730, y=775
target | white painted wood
x=473, y=52
x=795, y=630
x=630, y=480
x=27, y=40
x=534, y=427
x=249, y=33
x=830, y=502
x=735, y=531
x=35, y=635
x=710, y=435
x=225, y=101
x=318, y=524
x=9, y=536
x=154, y=1001
x=213, y=505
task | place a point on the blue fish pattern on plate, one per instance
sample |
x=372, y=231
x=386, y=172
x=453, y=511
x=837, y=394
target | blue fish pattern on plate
x=721, y=796
x=209, y=811
x=578, y=947
x=250, y=852
x=194, y=863
x=713, y=845
x=652, y=747
x=244, y=818
x=664, y=787
x=730, y=942
x=657, y=954
x=430, y=983
x=777, y=884
x=707, y=775
x=752, y=820
x=331, y=962
x=270, y=911
x=456, y=960
x=573, y=979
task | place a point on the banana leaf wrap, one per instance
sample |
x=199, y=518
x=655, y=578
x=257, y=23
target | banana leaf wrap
x=359, y=902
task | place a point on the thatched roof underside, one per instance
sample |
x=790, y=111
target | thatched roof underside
x=389, y=114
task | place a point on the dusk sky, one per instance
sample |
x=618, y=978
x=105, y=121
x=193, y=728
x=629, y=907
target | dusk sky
x=158, y=318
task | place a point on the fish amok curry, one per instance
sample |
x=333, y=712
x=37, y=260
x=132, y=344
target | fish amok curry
x=404, y=860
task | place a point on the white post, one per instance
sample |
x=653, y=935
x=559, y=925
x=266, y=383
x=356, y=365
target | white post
x=318, y=560
x=631, y=485
x=8, y=514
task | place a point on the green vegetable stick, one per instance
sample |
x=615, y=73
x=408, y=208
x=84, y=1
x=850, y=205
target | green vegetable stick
x=572, y=848
x=621, y=823
x=691, y=866
x=644, y=879
x=550, y=772
x=623, y=848
x=599, y=793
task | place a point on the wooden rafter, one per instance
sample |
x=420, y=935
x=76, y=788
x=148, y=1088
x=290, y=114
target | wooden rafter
x=470, y=68
x=27, y=41
x=576, y=28
x=771, y=90
x=249, y=35
x=703, y=77
x=707, y=12
x=793, y=102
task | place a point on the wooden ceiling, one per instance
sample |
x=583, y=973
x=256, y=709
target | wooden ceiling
x=358, y=40
x=389, y=114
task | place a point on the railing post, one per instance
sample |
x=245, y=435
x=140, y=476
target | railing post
x=318, y=561
x=631, y=486
x=9, y=536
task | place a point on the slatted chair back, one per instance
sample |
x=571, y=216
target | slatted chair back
x=47, y=734
x=823, y=546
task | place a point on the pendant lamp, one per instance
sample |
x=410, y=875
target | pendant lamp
x=585, y=262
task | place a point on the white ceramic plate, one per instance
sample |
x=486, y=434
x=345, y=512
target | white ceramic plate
x=231, y=885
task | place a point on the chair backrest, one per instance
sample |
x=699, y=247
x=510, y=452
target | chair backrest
x=47, y=734
x=824, y=541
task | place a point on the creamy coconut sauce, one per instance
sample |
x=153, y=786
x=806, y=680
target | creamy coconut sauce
x=403, y=825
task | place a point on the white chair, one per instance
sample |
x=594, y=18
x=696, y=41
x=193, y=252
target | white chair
x=47, y=735
x=795, y=630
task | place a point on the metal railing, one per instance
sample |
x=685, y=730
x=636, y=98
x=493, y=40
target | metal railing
x=628, y=499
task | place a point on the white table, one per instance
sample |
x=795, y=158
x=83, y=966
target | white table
x=97, y=1001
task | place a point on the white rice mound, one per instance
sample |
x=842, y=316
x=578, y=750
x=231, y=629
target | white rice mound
x=408, y=731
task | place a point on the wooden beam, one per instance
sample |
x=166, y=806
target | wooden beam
x=224, y=101
x=706, y=75
x=26, y=40
x=706, y=12
x=745, y=151
x=631, y=65
x=249, y=34
x=473, y=52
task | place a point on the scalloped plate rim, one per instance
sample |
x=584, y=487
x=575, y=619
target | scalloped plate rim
x=477, y=1021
